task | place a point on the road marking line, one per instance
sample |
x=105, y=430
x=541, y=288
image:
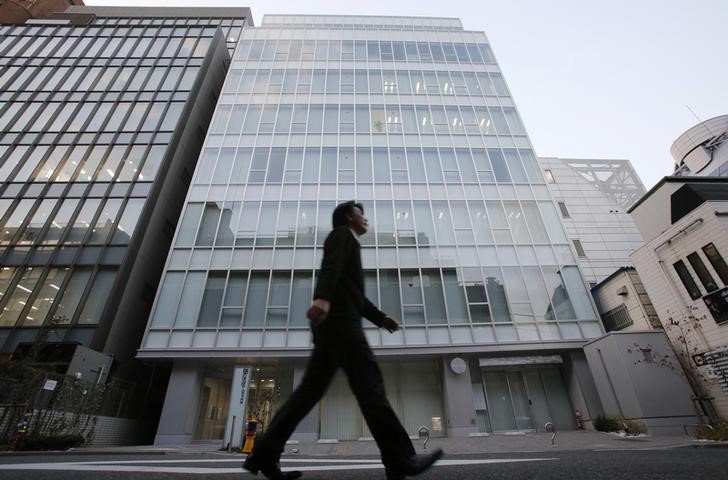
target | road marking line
x=124, y=466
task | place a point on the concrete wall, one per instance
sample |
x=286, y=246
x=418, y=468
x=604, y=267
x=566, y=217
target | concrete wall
x=181, y=405
x=582, y=389
x=308, y=429
x=458, y=399
x=638, y=376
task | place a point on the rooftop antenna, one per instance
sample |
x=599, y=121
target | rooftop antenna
x=699, y=120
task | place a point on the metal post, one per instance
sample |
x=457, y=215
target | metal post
x=550, y=427
x=232, y=432
x=424, y=432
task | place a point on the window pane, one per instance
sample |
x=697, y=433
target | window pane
x=168, y=299
x=578, y=294
x=496, y=295
x=45, y=298
x=457, y=310
x=83, y=220
x=717, y=261
x=96, y=300
x=433, y=293
x=278, y=299
x=212, y=299
x=128, y=221
x=18, y=299
x=189, y=305
x=68, y=303
x=705, y=277
x=228, y=224
x=208, y=227
x=517, y=222
x=232, y=312
x=687, y=280
x=443, y=224
x=37, y=221
x=300, y=298
x=257, y=296
x=16, y=219
x=105, y=223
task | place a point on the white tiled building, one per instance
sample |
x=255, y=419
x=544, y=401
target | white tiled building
x=592, y=197
x=685, y=225
x=412, y=117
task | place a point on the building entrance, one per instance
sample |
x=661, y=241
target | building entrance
x=525, y=400
x=263, y=394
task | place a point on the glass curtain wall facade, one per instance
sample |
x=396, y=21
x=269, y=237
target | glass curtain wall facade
x=412, y=117
x=90, y=108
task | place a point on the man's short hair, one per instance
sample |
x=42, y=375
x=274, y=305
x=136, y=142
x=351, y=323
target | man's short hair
x=342, y=210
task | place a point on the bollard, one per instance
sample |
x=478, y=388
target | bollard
x=548, y=426
x=424, y=432
x=250, y=436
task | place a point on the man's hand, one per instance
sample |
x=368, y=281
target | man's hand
x=390, y=324
x=318, y=311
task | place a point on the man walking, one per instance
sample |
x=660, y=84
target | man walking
x=339, y=342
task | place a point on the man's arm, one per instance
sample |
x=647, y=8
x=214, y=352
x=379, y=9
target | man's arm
x=337, y=250
x=378, y=317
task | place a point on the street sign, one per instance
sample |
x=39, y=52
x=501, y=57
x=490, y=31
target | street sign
x=50, y=385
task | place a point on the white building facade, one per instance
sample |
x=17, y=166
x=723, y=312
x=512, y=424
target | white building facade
x=592, y=197
x=683, y=267
x=412, y=117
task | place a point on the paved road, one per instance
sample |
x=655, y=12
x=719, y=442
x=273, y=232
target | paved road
x=633, y=464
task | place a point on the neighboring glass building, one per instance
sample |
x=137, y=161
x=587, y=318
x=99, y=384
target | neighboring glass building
x=412, y=117
x=103, y=112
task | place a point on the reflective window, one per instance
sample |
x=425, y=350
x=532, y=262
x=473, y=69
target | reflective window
x=212, y=299
x=128, y=221
x=703, y=274
x=105, y=222
x=37, y=221
x=15, y=220
x=687, y=280
x=716, y=260
x=71, y=297
x=45, y=297
x=97, y=296
x=18, y=299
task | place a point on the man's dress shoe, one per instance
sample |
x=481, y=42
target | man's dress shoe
x=270, y=469
x=414, y=465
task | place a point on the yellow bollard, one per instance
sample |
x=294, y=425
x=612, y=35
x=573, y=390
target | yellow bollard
x=250, y=436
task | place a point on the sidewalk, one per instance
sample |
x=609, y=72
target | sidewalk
x=497, y=443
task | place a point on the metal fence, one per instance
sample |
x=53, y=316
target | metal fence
x=53, y=404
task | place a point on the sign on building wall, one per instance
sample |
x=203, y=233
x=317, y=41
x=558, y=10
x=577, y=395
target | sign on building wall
x=717, y=361
x=236, y=421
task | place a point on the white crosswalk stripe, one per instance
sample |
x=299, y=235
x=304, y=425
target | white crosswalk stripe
x=177, y=466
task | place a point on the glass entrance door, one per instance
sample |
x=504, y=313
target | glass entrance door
x=526, y=399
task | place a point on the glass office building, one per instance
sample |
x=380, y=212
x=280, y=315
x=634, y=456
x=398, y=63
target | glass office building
x=412, y=117
x=103, y=112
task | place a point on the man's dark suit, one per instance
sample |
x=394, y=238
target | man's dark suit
x=339, y=341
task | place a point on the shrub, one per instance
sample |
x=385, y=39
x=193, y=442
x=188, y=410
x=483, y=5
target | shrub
x=718, y=432
x=631, y=426
x=604, y=423
x=618, y=423
x=50, y=442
